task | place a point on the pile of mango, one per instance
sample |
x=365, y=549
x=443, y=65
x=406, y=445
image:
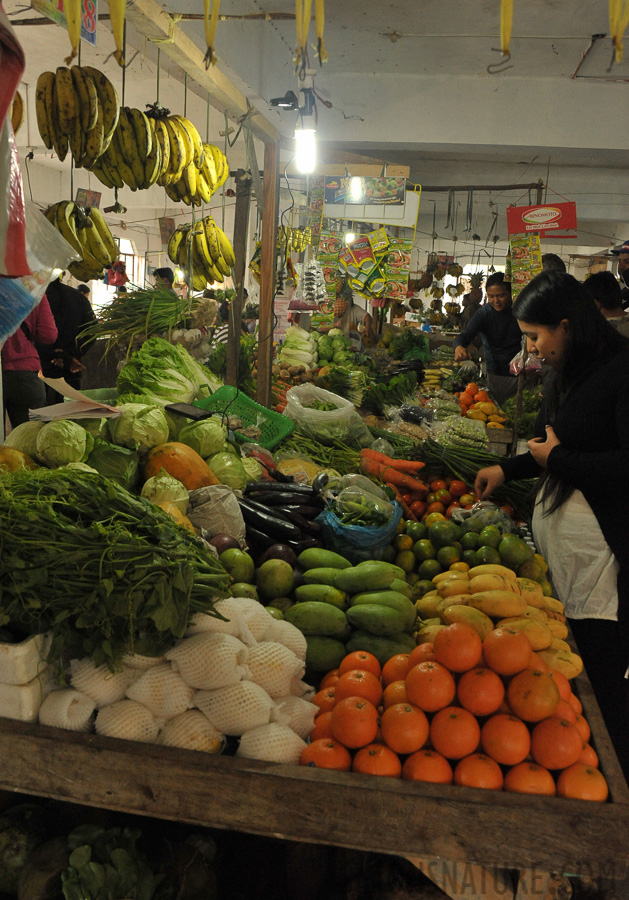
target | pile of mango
x=476, y=403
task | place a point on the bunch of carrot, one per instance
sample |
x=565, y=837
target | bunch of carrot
x=279, y=395
x=398, y=474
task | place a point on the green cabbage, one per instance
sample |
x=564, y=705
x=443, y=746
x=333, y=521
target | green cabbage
x=163, y=488
x=139, y=427
x=252, y=468
x=166, y=371
x=80, y=467
x=229, y=470
x=96, y=427
x=206, y=436
x=117, y=463
x=62, y=442
x=24, y=437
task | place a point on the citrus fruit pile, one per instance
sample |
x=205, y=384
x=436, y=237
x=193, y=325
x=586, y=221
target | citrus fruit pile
x=459, y=710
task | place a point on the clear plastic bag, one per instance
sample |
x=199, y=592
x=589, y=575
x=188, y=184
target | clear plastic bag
x=361, y=481
x=523, y=360
x=357, y=543
x=355, y=505
x=482, y=514
x=340, y=424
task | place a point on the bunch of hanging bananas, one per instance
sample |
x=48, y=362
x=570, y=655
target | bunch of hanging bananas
x=202, y=174
x=86, y=231
x=202, y=249
x=77, y=109
x=134, y=156
x=17, y=112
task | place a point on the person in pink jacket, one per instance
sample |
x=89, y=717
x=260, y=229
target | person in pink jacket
x=22, y=389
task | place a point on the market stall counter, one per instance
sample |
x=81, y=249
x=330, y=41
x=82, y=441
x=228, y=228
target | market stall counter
x=471, y=843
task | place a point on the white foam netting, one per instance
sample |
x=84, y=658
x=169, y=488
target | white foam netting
x=237, y=708
x=287, y=634
x=99, y=683
x=68, y=709
x=273, y=666
x=300, y=714
x=137, y=661
x=273, y=743
x=254, y=614
x=129, y=720
x=209, y=661
x=191, y=730
x=163, y=691
x=236, y=623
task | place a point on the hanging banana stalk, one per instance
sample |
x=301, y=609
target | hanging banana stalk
x=506, y=24
x=320, y=25
x=303, y=11
x=72, y=9
x=210, y=20
x=618, y=21
x=116, y=13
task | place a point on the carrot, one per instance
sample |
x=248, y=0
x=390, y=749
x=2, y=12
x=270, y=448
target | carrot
x=389, y=474
x=408, y=514
x=402, y=465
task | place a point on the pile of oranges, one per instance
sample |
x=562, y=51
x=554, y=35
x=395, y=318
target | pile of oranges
x=485, y=714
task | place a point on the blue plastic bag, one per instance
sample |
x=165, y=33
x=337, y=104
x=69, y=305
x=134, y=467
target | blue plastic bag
x=355, y=542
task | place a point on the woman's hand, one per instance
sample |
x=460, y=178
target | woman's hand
x=540, y=450
x=460, y=353
x=487, y=481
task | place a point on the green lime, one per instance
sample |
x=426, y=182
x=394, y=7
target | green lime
x=448, y=555
x=443, y=533
x=416, y=531
x=514, y=552
x=424, y=549
x=469, y=557
x=490, y=537
x=471, y=524
x=429, y=568
x=458, y=545
x=422, y=587
x=469, y=540
x=486, y=555
x=405, y=560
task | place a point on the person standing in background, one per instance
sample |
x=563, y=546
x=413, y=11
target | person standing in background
x=553, y=262
x=72, y=313
x=623, y=271
x=22, y=389
x=605, y=290
x=84, y=289
x=165, y=277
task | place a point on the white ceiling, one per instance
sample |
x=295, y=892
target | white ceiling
x=408, y=82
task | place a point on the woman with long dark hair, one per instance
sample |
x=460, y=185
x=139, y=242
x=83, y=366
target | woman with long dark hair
x=581, y=456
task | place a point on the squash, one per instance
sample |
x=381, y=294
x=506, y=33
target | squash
x=180, y=461
x=175, y=513
x=12, y=459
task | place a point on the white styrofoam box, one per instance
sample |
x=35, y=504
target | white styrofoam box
x=22, y=701
x=20, y=663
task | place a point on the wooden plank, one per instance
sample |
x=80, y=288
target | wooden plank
x=270, y=199
x=152, y=21
x=464, y=881
x=494, y=829
x=241, y=221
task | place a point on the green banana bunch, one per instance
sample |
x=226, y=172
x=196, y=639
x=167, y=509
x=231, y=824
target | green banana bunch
x=77, y=109
x=203, y=250
x=88, y=234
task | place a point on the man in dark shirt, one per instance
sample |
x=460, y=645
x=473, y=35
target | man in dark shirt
x=500, y=334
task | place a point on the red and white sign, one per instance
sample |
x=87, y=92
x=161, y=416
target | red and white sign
x=543, y=219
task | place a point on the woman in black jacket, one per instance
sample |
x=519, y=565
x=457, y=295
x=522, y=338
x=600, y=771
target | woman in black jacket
x=581, y=455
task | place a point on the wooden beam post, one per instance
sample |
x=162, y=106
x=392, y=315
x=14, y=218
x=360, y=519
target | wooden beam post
x=270, y=200
x=239, y=243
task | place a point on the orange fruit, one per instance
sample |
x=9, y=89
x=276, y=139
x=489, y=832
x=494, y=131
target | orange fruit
x=562, y=683
x=584, y=728
x=480, y=691
x=324, y=699
x=575, y=703
x=354, y=722
x=404, y=728
x=430, y=686
x=395, y=668
x=556, y=743
x=427, y=765
x=506, y=739
x=360, y=659
x=589, y=756
x=326, y=753
x=358, y=683
x=394, y=693
x=377, y=759
x=507, y=651
x=458, y=647
x=529, y=778
x=582, y=782
x=454, y=732
x=421, y=653
x=479, y=771
x=533, y=695
x=322, y=727
x=565, y=711
x=329, y=679
x=537, y=663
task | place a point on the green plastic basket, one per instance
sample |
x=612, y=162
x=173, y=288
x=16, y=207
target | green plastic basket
x=229, y=400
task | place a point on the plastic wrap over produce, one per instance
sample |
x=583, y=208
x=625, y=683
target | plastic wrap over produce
x=326, y=416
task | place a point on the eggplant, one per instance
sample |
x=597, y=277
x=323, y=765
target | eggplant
x=303, y=523
x=320, y=481
x=308, y=512
x=259, y=539
x=267, y=523
x=263, y=508
x=284, y=499
x=304, y=544
x=272, y=486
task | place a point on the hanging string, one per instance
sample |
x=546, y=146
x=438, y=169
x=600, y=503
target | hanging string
x=185, y=94
x=506, y=24
x=618, y=21
x=124, y=68
x=157, y=87
x=223, y=197
x=210, y=20
x=207, y=120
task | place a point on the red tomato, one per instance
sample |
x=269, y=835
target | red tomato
x=451, y=509
x=418, y=507
x=437, y=485
x=457, y=488
x=466, y=499
x=443, y=496
x=406, y=498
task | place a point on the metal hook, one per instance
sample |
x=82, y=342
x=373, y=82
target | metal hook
x=502, y=66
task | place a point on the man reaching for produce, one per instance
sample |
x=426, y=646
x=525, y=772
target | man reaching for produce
x=500, y=335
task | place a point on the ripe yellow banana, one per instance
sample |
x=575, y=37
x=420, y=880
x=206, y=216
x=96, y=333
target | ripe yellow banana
x=222, y=168
x=188, y=147
x=87, y=97
x=73, y=11
x=43, y=107
x=177, y=151
x=195, y=138
x=77, y=142
x=102, y=174
x=93, y=243
x=108, y=99
x=222, y=266
x=211, y=237
x=227, y=251
x=209, y=167
x=174, y=244
x=65, y=225
x=96, y=218
x=67, y=101
x=116, y=12
x=94, y=141
x=203, y=189
x=153, y=163
x=161, y=133
x=17, y=112
x=190, y=179
x=143, y=131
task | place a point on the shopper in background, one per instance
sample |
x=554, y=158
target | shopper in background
x=581, y=455
x=500, y=335
x=72, y=312
x=605, y=290
x=553, y=262
x=84, y=289
x=22, y=389
x=165, y=277
x=623, y=271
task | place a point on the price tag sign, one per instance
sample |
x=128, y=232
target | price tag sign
x=53, y=9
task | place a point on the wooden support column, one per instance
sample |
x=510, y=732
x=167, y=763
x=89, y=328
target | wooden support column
x=270, y=199
x=239, y=243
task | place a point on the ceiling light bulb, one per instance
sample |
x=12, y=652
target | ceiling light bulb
x=349, y=237
x=305, y=150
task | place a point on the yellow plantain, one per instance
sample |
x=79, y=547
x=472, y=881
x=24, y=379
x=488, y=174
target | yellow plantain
x=143, y=131
x=227, y=250
x=67, y=102
x=116, y=12
x=161, y=133
x=190, y=179
x=211, y=237
x=17, y=112
x=96, y=218
x=174, y=244
x=108, y=99
x=209, y=167
x=188, y=154
x=153, y=163
x=195, y=139
x=177, y=151
x=43, y=107
x=94, y=141
x=101, y=173
x=65, y=225
x=73, y=12
x=85, y=90
x=96, y=247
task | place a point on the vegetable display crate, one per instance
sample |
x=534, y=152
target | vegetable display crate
x=229, y=401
